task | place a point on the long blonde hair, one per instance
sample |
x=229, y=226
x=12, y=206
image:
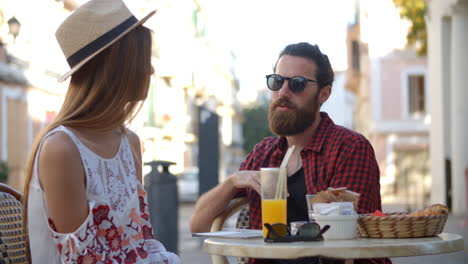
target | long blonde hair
x=103, y=94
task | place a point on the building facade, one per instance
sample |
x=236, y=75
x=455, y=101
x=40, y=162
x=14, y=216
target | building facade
x=447, y=22
x=30, y=63
x=392, y=101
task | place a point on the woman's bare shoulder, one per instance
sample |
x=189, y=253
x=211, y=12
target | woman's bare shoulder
x=59, y=156
x=133, y=137
x=58, y=143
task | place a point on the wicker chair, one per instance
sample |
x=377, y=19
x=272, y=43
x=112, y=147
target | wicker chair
x=12, y=239
x=242, y=222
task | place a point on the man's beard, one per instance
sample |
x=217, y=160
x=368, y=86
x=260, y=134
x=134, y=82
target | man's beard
x=292, y=121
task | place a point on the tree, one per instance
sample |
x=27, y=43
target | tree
x=3, y=171
x=415, y=11
x=255, y=126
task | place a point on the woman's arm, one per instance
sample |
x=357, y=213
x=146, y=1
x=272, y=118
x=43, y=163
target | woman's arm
x=62, y=178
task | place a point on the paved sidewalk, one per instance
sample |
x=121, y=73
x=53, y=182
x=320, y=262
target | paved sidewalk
x=455, y=224
x=190, y=249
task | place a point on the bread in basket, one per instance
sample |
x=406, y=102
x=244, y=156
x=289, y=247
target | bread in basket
x=422, y=223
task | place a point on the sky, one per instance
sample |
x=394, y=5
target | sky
x=258, y=30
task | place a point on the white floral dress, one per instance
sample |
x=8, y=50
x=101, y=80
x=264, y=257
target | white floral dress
x=117, y=229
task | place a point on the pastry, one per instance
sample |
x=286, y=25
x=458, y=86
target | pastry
x=435, y=209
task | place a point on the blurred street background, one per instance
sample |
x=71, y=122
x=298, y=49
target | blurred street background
x=400, y=80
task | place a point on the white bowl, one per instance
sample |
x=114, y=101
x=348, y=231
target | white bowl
x=341, y=226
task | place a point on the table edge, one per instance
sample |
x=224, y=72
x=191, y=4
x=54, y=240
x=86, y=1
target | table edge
x=212, y=246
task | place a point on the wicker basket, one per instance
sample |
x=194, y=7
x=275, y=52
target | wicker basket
x=400, y=225
x=12, y=240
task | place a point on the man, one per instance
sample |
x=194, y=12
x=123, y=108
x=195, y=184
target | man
x=326, y=155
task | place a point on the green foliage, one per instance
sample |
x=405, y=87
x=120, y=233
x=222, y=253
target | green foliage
x=415, y=11
x=3, y=172
x=255, y=126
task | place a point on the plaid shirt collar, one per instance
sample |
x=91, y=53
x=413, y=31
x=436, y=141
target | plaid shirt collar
x=316, y=141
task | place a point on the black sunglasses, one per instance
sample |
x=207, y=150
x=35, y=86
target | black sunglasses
x=296, y=84
x=279, y=233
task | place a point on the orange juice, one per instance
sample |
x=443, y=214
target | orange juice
x=273, y=211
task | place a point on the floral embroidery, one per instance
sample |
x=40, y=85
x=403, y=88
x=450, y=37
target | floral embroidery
x=87, y=259
x=108, y=261
x=101, y=240
x=147, y=232
x=135, y=216
x=138, y=236
x=126, y=242
x=114, y=241
x=145, y=216
x=141, y=192
x=142, y=204
x=131, y=257
x=100, y=214
x=118, y=259
x=142, y=252
x=111, y=233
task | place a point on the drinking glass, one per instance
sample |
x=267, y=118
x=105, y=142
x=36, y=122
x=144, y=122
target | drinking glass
x=273, y=197
x=310, y=207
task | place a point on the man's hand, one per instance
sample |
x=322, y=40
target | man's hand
x=246, y=179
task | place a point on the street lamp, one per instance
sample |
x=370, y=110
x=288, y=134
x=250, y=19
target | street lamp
x=14, y=27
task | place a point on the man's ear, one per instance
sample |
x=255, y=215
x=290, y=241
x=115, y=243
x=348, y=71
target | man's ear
x=324, y=93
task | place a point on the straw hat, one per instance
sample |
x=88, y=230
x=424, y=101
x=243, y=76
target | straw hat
x=93, y=27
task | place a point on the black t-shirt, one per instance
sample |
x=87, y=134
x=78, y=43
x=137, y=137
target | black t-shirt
x=297, y=211
x=297, y=204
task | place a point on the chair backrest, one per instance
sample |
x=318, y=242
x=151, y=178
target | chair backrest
x=242, y=222
x=12, y=239
x=243, y=218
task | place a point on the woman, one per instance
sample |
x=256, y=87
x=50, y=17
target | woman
x=85, y=202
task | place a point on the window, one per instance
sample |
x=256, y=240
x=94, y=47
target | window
x=356, y=56
x=416, y=95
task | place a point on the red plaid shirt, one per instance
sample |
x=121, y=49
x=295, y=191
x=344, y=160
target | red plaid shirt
x=335, y=157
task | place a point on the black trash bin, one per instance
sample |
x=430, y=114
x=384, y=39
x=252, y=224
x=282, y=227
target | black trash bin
x=161, y=187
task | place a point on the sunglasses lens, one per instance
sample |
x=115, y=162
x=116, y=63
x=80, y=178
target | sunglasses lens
x=297, y=84
x=309, y=230
x=275, y=82
x=280, y=229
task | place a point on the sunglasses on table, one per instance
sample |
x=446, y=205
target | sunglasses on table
x=296, y=84
x=279, y=233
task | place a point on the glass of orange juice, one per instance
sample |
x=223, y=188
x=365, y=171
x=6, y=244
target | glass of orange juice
x=273, y=198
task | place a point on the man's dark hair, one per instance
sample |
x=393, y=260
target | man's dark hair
x=305, y=50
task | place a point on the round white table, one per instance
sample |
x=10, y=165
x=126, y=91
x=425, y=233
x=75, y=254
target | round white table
x=344, y=249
